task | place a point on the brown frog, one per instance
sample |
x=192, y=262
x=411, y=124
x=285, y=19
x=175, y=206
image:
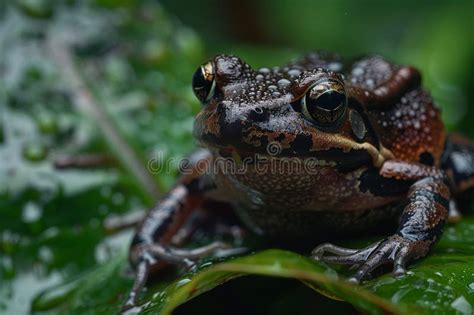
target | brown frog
x=315, y=149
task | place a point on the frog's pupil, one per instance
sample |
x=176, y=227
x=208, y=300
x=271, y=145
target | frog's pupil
x=201, y=86
x=325, y=108
x=328, y=101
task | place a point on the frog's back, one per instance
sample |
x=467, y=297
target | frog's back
x=412, y=128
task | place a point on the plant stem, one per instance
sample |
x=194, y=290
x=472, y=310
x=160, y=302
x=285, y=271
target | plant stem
x=86, y=103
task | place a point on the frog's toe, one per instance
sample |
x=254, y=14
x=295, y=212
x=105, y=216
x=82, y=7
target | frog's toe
x=147, y=257
x=394, y=249
x=342, y=255
x=174, y=255
x=319, y=251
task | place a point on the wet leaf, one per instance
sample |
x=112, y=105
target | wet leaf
x=442, y=283
x=137, y=62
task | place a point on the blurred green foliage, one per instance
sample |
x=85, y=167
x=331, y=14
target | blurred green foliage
x=137, y=61
x=437, y=37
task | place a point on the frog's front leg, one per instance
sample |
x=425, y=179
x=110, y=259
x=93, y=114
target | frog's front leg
x=152, y=246
x=151, y=249
x=421, y=223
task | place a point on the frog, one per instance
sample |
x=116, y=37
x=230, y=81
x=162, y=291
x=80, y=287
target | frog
x=317, y=149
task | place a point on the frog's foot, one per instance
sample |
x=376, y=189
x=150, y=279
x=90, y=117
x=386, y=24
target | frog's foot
x=180, y=256
x=394, y=249
x=149, y=257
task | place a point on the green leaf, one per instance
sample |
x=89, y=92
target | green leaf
x=442, y=283
x=137, y=62
x=274, y=263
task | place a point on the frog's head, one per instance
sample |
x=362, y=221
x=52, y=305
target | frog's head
x=294, y=110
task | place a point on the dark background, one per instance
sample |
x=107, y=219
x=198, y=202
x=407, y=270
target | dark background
x=434, y=36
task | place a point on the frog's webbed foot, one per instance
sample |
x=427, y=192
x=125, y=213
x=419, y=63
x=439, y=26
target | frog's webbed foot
x=148, y=257
x=394, y=249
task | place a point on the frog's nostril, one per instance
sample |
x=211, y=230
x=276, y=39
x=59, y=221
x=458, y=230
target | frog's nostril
x=258, y=114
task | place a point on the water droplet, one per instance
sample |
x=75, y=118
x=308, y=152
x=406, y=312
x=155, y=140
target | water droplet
x=45, y=254
x=471, y=286
x=158, y=295
x=335, y=66
x=358, y=71
x=31, y=212
x=206, y=264
x=118, y=199
x=50, y=232
x=264, y=70
x=283, y=83
x=7, y=263
x=182, y=282
x=294, y=72
x=462, y=305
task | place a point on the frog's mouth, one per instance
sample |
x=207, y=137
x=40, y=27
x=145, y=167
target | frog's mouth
x=333, y=158
x=340, y=153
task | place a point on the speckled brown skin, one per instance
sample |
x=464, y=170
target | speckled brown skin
x=382, y=156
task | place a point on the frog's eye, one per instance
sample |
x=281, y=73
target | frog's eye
x=325, y=102
x=204, y=83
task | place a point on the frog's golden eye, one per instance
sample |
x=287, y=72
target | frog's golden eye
x=204, y=83
x=325, y=102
